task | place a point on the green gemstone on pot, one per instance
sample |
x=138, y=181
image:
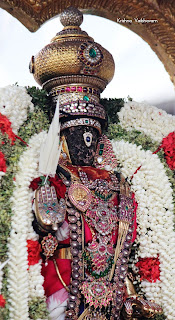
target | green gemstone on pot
x=86, y=98
x=92, y=53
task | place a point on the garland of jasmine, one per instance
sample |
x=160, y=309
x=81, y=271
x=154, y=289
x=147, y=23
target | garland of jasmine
x=133, y=148
x=34, y=120
x=125, y=131
x=154, y=122
x=26, y=278
x=153, y=194
x=116, y=132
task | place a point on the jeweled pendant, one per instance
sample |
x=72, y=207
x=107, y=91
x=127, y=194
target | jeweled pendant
x=87, y=138
x=80, y=196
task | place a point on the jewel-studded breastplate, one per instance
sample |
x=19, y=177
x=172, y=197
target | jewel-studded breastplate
x=103, y=293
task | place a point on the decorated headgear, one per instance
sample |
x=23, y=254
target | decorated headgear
x=76, y=69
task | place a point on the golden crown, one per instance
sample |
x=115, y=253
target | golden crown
x=74, y=67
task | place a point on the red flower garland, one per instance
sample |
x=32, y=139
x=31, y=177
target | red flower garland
x=2, y=301
x=2, y=162
x=5, y=127
x=149, y=269
x=168, y=145
x=34, y=249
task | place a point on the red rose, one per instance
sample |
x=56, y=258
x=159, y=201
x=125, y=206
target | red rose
x=168, y=145
x=35, y=183
x=34, y=249
x=2, y=301
x=149, y=269
x=60, y=187
x=2, y=162
x=5, y=127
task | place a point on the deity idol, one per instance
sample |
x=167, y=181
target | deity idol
x=85, y=214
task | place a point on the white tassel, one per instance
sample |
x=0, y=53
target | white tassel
x=50, y=149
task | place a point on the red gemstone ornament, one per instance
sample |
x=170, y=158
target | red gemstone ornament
x=49, y=245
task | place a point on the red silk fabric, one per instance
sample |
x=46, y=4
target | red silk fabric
x=51, y=279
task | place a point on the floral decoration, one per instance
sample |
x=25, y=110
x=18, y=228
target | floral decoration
x=2, y=301
x=29, y=282
x=5, y=127
x=34, y=121
x=168, y=145
x=153, y=122
x=14, y=104
x=34, y=249
x=149, y=269
x=155, y=234
x=2, y=163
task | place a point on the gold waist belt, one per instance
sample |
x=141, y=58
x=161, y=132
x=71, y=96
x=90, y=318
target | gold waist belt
x=64, y=253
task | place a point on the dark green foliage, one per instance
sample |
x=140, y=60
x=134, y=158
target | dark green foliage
x=112, y=107
x=40, y=100
x=116, y=132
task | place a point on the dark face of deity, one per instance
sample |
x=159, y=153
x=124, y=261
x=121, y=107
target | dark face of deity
x=82, y=144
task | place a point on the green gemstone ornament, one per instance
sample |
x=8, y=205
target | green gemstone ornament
x=100, y=152
x=92, y=53
x=86, y=98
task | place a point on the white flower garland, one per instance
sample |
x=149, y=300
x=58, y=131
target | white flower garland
x=150, y=120
x=24, y=283
x=153, y=194
x=14, y=102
